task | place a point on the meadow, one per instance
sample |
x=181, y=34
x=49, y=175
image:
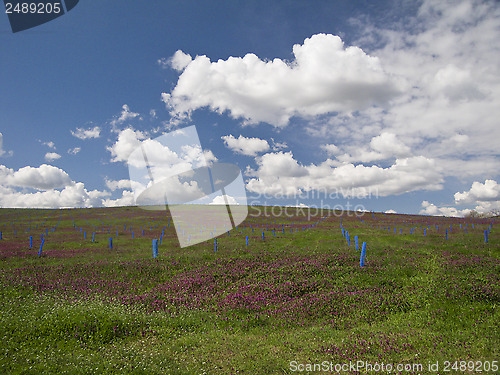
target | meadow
x=296, y=301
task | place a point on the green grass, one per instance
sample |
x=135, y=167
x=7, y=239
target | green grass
x=83, y=308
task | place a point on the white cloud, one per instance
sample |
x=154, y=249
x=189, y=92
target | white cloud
x=449, y=109
x=51, y=156
x=387, y=144
x=383, y=146
x=55, y=189
x=49, y=144
x=71, y=196
x=81, y=133
x=171, y=190
x=454, y=84
x=152, y=161
x=488, y=207
x=164, y=63
x=485, y=197
x=221, y=199
x=390, y=212
x=160, y=157
x=45, y=177
x=121, y=184
x=278, y=165
x=209, y=157
x=324, y=77
x=93, y=198
x=125, y=115
x=2, y=151
x=299, y=205
x=127, y=199
x=489, y=191
x=278, y=145
x=280, y=174
x=74, y=151
x=450, y=112
x=128, y=141
x=436, y=115
x=180, y=60
x=331, y=149
x=246, y=146
x=433, y=210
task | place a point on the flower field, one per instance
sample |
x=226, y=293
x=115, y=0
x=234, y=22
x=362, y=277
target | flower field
x=69, y=303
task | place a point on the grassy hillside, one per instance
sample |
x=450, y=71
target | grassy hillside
x=429, y=293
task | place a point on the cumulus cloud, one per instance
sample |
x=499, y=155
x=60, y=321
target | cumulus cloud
x=331, y=149
x=280, y=174
x=45, y=177
x=53, y=189
x=246, y=146
x=154, y=163
x=488, y=207
x=180, y=60
x=51, y=156
x=128, y=141
x=431, y=209
x=159, y=156
x=450, y=110
x=221, y=200
x=89, y=133
x=123, y=184
x=390, y=212
x=383, y=146
x=421, y=94
x=280, y=164
x=489, y=191
x=172, y=190
x=388, y=144
x=325, y=76
x=120, y=184
x=209, y=157
x=485, y=197
x=70, y=196
x=127, y=199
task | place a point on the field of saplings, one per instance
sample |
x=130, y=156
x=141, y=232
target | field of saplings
x=287, y=291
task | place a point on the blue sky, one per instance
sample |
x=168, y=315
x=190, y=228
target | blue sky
x=387, y=105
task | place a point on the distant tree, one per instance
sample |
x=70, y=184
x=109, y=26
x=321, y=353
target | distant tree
x=495, y=212
x=472, y=213
x=475, y=214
